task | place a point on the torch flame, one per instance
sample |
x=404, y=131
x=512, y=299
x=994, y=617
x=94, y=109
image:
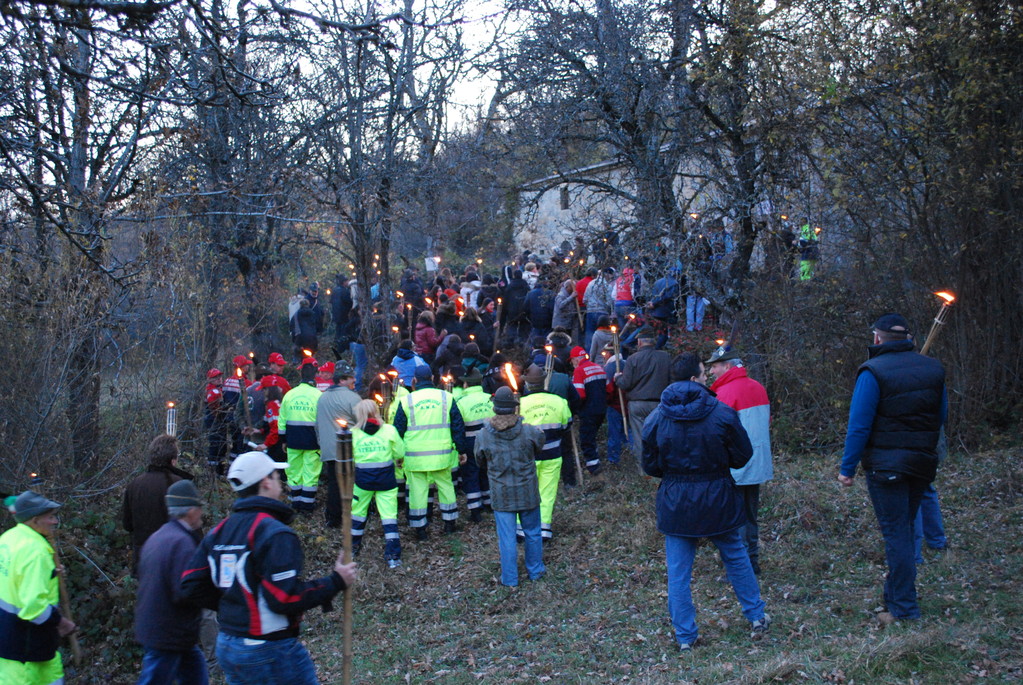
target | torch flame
x=307, y=353
x=947, y=296
x=392, y=373
x=720, y=342
x=510, y=375
x=499, y=300
x=383, y=377
x=614, y=329
x=342, y=424
x=170, y=405
x=379, y=398
x=238, y=372
x=252, y=355
x=632, y=317
x=399, y=293
x=394, y=328
x=548, y=348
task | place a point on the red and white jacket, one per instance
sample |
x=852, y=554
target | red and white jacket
x=749, y=399
x=590, y=382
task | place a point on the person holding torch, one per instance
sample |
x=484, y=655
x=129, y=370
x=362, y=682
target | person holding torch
x=896, y=415
x=249, y=569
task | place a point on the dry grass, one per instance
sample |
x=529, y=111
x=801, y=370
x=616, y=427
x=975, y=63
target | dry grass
x=600, y=614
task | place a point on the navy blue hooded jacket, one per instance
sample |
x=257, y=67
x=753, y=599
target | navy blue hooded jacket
x=691, y=441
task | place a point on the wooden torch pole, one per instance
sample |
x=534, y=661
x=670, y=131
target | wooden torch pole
x=618, y=368
x=345, y=473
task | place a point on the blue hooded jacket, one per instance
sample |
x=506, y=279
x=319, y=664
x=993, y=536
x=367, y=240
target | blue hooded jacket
x=691, y=441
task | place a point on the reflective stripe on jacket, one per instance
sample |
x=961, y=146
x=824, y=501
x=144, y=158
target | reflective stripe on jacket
x=428, y=440
x=374, y=456
x=297, y=421
x=476, y=408
x=549, y=413
x=29, y=596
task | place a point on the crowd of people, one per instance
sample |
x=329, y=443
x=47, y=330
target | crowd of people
x=498, y=389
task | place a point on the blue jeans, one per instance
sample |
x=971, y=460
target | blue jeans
x=591, y=327
x=266, y=662
x=929, y=524
x=615, y=436
x=361, y=362
x=695, y=307
x=506, y=522
x=622, y=311
x=680, y=553
x=165, y=667
x=896, y=501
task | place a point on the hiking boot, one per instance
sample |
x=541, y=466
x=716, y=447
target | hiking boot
x=476, y=515
x=760, y=627
x=421, y=533
x=450, y=527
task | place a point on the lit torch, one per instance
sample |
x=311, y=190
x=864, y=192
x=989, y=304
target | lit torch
x=548, y=367
x=172, y=419
x=245, y=396
x=509, y=374
x=939, y=320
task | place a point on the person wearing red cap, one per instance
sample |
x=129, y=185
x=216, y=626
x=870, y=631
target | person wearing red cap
x=215, y=422
x=277, y=364
x=297, y=428
x=325, y=376
x=590, y=383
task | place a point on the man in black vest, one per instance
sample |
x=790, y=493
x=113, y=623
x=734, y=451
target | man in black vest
x=898, y=407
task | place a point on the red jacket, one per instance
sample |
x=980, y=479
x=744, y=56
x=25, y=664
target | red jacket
x=427, y=339
x=273, y=412
x=580, y=288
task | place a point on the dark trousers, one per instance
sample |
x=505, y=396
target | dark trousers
x=332, y=510
x=896, y=499
x=589, y=424
x=750, y=532
x=474, y=484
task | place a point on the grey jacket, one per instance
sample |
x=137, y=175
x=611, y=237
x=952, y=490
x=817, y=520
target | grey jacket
x=336, y=402
x=646, y=374
x=510, y=456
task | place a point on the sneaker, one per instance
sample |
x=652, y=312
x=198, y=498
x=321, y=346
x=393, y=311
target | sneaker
x=393, y=563
x=685, y=647
x=760, y=627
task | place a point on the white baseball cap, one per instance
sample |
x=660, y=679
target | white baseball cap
x=250, y=468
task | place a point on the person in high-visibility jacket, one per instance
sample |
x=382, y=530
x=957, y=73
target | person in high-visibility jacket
x=31, y=624
x=376, y=448
x=296, y=426
x=476, y=408
x=429, y=422
x=551, y=414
